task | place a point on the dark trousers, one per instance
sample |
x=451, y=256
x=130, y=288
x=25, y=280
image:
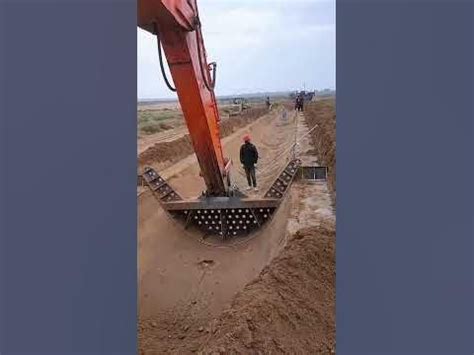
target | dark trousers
x=250, y=173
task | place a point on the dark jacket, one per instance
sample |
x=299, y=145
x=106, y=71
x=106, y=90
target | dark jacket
x=248, y=155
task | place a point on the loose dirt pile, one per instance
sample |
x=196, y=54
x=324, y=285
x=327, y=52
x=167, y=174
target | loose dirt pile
x=323, y=113
x=167, y=151
x=176, y=150
x=289, y=308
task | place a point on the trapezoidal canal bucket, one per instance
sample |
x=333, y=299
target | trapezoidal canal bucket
x=226, y=216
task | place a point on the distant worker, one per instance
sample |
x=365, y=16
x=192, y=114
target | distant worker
x=249, y=158
x=269, y=105
x=241, y=106
x=301, y=102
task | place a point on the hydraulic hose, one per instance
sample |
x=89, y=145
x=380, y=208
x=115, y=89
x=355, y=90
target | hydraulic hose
x=160, y=56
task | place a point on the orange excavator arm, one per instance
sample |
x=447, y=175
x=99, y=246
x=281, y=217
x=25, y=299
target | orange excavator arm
x=177, y=26
x=225, y=211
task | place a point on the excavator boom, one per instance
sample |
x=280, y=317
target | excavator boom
x=176, y=23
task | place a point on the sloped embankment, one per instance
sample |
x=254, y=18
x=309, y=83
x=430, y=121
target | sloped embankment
x=289, y=308
x=323, y=113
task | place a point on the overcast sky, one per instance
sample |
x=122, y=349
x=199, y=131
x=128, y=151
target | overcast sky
x=259, y=45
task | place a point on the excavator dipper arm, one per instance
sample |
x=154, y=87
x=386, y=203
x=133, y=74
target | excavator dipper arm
x=176, y=23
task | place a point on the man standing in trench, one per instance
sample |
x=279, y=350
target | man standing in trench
x=249, y=158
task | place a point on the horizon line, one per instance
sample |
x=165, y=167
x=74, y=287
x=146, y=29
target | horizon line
x=234, y=95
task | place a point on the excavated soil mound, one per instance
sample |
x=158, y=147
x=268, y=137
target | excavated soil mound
x=289, y=308
x=178, y=149
x=167, y=151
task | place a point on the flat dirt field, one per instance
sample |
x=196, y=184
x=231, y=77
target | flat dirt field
x=272, y=292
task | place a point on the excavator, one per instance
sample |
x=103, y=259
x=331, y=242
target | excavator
x=222, y=210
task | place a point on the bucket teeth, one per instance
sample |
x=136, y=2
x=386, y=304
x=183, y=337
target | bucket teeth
x=160, y=188
x=284, y=180
x=225, y=222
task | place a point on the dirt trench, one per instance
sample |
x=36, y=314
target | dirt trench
x=167, y=151
x=193, y=297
